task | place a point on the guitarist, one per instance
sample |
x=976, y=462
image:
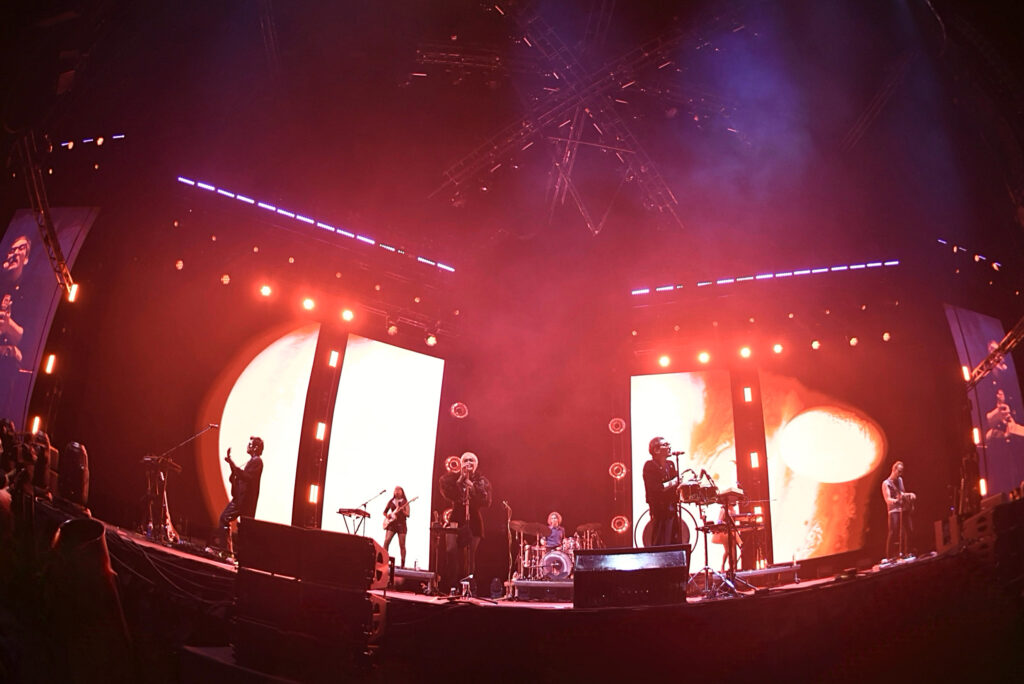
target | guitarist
x=245, y=490
x=395, y=514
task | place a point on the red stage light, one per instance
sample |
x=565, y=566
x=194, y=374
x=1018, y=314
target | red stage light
x=745, y=352
x=620, y=524
x=704, y=357
x=815, y=345
x=664, y=361
x=430, y=339
x=308, y=304
x=617, y=470
x=459, y=410
x=777, y=348
x=616, y=426
x=453, y=464
x=266, y=291
x=347, y=315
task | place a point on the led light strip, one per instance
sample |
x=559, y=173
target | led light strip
x=223, y=192
x=769, y=276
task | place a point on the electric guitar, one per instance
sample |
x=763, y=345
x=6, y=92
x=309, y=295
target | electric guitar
x=390, y=517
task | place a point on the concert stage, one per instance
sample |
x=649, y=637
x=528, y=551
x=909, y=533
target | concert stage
x=954, y=614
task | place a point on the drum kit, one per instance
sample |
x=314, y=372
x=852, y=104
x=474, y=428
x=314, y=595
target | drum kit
x=539, y=562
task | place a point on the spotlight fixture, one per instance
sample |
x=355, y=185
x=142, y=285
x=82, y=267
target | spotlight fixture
x=616, y=426
x=430, y=340
x=459, y=410
x=347, y=315
x=620, y=524
x=308, y=304
x=73, y=293
x=226, y=279
x=703, y=357
x=265, y=290
x=777, y=348
x=50, y=361
x=392, y=327
x=886, y=336
x=664, y=361
x=854, y=341
x=815, y=345
x=745, y=352
x=617, y=470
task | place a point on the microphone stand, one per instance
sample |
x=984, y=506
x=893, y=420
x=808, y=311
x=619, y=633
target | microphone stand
x=362, y=521
x=166, y=534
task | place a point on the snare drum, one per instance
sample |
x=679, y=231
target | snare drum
x=556, y=566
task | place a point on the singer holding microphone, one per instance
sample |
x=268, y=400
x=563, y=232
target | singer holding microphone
x=245, y=490
x=661, y=485
x=469, y=492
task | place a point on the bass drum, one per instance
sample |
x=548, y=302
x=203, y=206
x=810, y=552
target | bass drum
x=646, y=529
x=556, y=566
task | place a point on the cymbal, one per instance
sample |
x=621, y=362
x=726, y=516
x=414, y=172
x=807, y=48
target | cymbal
x=589, y=527
x=528, y=527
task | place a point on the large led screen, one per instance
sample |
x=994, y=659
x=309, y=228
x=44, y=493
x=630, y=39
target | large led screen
x=996, y=399
x=383, y=435
x=822, y=457
x=267, y=401
x=693, y=411
x=29, y=294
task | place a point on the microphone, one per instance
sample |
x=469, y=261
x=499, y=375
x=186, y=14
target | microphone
x=678, y=453
x=214, y=426
x=382, y=491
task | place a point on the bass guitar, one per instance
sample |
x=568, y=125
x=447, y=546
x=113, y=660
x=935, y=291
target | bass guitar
x=390, y=517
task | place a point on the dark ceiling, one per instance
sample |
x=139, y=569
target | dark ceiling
x=711, y=137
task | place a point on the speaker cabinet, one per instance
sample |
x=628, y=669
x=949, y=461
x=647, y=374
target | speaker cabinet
x=631, y=577
x=73, y=477
x=330, y=558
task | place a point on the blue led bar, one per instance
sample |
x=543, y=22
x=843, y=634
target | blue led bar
x=774, y=275
x=308, y=220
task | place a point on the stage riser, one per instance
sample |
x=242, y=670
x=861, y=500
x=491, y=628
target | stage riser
x=551, y=592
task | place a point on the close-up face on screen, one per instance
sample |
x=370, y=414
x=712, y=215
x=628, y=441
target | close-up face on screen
x=996, y=400
x=693, y=411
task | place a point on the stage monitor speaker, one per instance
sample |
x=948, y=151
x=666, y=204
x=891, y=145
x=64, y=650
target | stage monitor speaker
x=73, y=478
x=344, y=560
x=331, y=558
x=270, y=547
x=631, y=577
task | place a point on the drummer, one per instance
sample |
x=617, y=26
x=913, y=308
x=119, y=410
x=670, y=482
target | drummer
x=556, y=533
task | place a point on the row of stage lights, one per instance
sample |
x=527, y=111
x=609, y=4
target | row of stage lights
x=348, y=315
x=310, y=221
x=704, y=357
